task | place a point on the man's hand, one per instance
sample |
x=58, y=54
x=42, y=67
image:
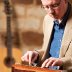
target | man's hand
x=30, y=57
x=52, y=62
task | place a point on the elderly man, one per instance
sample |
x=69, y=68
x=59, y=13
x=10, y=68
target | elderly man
x=57, y=43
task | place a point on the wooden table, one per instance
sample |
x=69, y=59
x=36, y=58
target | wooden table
x=22, y=68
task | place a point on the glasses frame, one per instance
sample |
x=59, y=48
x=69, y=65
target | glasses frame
x=52, y=6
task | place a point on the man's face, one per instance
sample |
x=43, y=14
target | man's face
x=55, y=8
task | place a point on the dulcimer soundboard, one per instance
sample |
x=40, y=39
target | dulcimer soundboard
x=26, y=68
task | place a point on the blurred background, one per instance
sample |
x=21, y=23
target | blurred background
x=26, y=29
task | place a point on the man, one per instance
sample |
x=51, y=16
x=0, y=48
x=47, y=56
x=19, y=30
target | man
x=57, y=43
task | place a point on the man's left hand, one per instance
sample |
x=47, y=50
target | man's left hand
x=52, y=62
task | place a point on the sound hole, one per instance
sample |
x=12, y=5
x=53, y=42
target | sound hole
x=9, y=61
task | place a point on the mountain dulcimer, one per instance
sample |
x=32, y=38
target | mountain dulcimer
x=25, y=68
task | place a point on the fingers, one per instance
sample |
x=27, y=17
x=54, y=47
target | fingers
x=52, y=62
x=35, y=57
x=30, y=57
x=49, y=63
x=25, y=57
x=45, y=63
x=57, y=62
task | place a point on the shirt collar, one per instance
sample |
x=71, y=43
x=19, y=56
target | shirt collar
x=66, y=15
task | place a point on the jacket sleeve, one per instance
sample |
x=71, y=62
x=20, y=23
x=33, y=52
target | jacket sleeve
x=42, y=50
x=67, y=60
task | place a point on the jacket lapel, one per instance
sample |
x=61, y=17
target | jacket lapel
x=48, y=26
x=67, y=37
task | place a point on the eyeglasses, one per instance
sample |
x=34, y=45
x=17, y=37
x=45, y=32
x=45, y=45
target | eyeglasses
x=54, y=6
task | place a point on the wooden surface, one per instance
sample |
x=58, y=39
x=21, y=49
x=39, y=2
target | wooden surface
x=24, y=68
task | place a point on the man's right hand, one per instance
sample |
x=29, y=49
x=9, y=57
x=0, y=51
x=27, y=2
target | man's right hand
x=30, y=57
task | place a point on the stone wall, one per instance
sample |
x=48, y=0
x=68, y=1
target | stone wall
x=26, y=24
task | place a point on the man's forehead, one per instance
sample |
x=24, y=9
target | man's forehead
x=49, y=1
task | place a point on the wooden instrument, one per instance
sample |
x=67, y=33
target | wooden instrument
x=8, y=55
x=25, y=68
x=9, y=60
